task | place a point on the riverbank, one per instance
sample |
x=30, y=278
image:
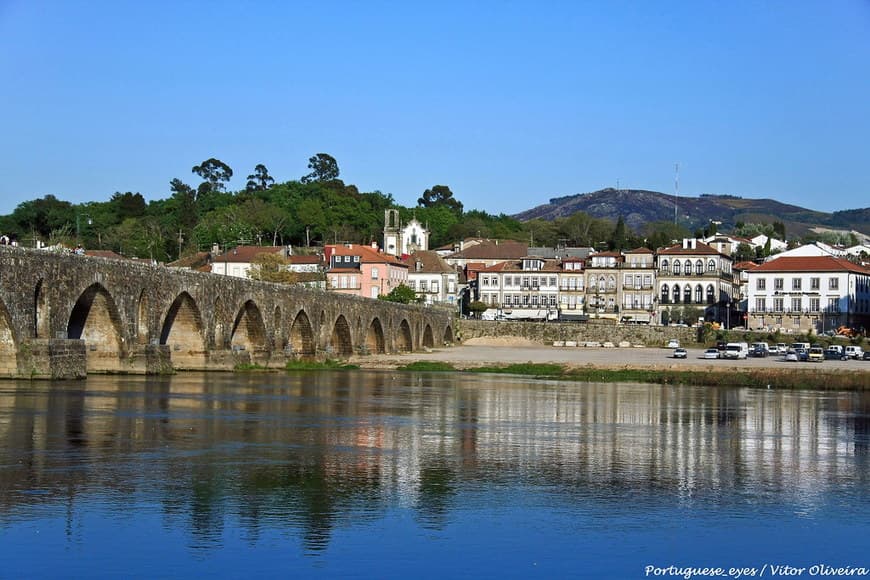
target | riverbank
x=655, y=365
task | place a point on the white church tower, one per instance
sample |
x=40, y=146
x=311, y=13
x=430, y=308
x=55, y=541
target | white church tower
x=398, y=240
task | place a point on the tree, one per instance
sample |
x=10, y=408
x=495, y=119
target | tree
x=271, y=267
x=619, y=238
x=323, y=167
x=477, y=308
x=214, y=172
x=440, y=196
x=259, y=180
x=744, y=253
x=401, y=294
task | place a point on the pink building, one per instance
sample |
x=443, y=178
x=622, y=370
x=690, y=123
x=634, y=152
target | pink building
x=363, y=271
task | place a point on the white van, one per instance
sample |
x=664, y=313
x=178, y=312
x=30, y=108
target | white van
x=854, y=351
x=736, y=350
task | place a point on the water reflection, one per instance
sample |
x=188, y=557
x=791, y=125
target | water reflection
x=309, y=454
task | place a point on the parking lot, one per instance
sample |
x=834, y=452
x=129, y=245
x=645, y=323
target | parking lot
x=465, y=356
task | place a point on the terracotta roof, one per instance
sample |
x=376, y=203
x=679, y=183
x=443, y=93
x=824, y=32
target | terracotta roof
x=517, y=267
x=193, y=261
x=699, y=249
x=246, y=254
x=108, y=254
x=494, y=250
x=745, y=266
x=430, y=262
x=641, y=250
x=811, y=264
x=367, y=254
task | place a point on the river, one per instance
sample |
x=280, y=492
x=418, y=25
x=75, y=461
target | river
x=378, y=474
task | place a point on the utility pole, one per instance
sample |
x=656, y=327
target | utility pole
x=676, y=188
x=180, y=241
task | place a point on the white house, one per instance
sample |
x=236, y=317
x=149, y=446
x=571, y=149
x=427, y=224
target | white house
x=432, y=279
x=808, y=294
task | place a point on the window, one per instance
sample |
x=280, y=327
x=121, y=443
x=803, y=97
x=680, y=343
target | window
x=711, y=265
x=677, y=268
x=759, y=304
x=374, y=292
x=424, y=286
x=777, y=304
x=434, y=286
x=344, y=281
x=552, y=281
x=761, y=284
x=814, y=283
x=795, y=283
x=834, y=284
x=676, y=293
x=711, y=294
x=356, y=259
x=552, y=299
x=687, y=294
x=629, y=281
x=699, y=294
x=688, y=267
x=699, y=267
x=777, y=284
x=814, y=304
x=796, y=321
x=534, y=300
x=666, y=294
x=665, y=266
x=833, y=304
x=525, y=299
x=795, y=304
x=412, y=284
x=374, y=273
x=647, y=281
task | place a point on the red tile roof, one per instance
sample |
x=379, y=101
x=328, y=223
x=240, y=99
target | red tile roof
x=367, y=254
x=811, y=264
x=494, y=250
x=678, y=250
x=246, y=254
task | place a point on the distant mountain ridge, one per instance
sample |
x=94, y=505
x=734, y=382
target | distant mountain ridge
x=639, y=207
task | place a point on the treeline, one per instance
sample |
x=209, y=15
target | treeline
x=317, y=208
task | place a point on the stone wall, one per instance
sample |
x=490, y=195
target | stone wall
x=549, y=332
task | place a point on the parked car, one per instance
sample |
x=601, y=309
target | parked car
x=680, y=353
x=866, y=355
x=673, y=343
x=854, y=352
x=802, y=354
x=711, y=353
x=791, y=355
x=816, y=354
x=759, y=349
x=834, y=354
x=781, y=348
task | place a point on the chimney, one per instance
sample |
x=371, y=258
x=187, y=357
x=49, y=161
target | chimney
x=374, y=245
x=215, y=249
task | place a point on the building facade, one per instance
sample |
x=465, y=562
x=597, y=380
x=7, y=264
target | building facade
x=432, y=279
x=363, y=271
x=808, y=294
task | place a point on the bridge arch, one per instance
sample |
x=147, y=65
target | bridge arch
x=340, y=340
x=182, y=330
x=375, y=342
x=41, y=323
x=249, y=330
x=428, y=339
x=8, y=346
x=301, y=339
x=404, y=342
x=448, y=335
x=96, y=320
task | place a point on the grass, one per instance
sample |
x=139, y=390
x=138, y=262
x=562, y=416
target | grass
x=758, y=378
x=313, y=365
x=428, y=366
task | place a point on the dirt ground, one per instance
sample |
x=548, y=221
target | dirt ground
x=506, y=350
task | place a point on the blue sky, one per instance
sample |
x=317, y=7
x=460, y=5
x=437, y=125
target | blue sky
x=508, y=103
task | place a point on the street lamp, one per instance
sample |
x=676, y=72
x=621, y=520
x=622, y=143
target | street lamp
x=728, y=315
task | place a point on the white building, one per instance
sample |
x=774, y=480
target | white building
x=404, y=240
x=237, y=262
x=696, y=275
x=432, y=279
x=808, y=294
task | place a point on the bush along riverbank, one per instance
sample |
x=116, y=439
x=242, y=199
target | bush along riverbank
x=757, y=378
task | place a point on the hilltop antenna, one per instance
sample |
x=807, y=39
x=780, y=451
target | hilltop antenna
x=676, y=188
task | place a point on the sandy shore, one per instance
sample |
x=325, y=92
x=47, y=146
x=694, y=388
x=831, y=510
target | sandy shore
x=506, y=351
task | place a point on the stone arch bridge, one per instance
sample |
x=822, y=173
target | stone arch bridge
x=65, y=315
